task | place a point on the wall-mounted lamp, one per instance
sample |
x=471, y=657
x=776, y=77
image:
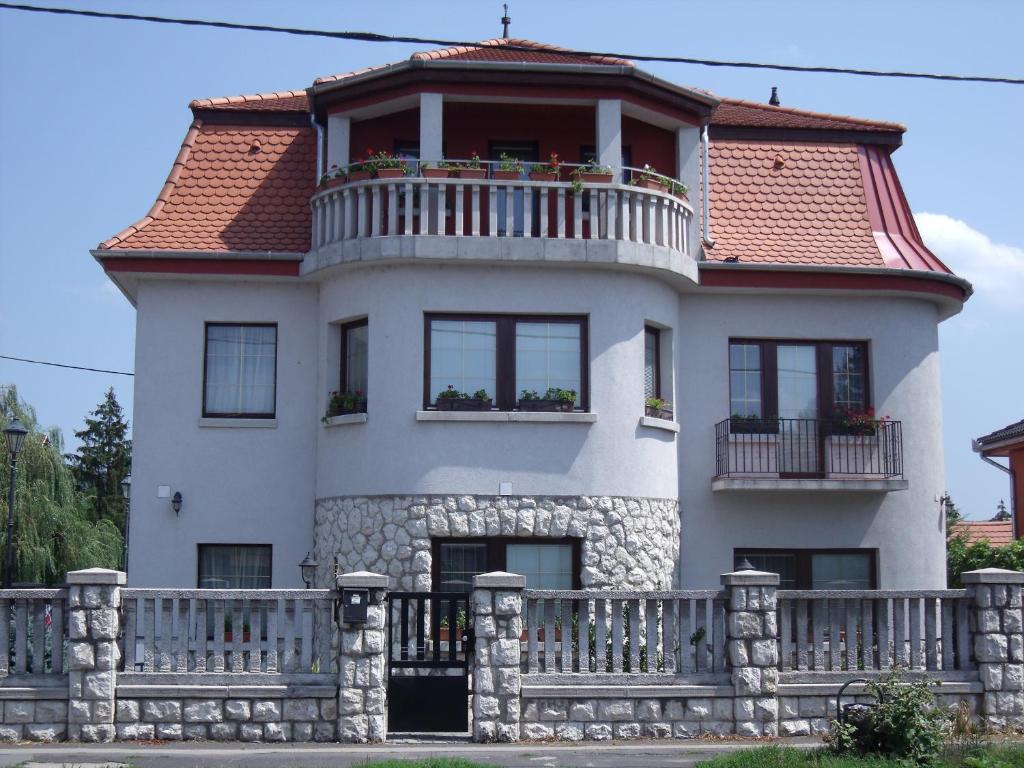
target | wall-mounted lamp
x=308, y=568
x=176, y=502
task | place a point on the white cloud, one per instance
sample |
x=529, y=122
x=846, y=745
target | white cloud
x=995, y=269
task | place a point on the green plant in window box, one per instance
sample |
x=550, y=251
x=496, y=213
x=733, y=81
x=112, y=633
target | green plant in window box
x=438, y=170
x=752, y=424
x=509, y=168
x=847, y=421
x=334, y=177
x=346, y=402
x=649, y=178
x=385, y=165
x=547, y=171
x=591, y=173
x=451, y=399
x=658, y=408
x=554, y=399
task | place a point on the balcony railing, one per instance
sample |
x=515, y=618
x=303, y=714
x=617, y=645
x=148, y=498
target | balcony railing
x=808, y=448
x=501, y=208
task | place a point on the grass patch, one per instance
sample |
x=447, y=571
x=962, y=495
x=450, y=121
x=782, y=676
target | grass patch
x=429, y=762
x=1004, y=756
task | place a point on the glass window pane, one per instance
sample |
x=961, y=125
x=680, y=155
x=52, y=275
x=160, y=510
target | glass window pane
x=459, y=564
x=548, y=355
x=240, y=369
x=356, y=358
x=545, y=566
x=651, y=372
x=848, y=378
x=745, y=380
x=463, y=355
x=229, y=566
x=841, y=571
x=798, y=381
x=782, y=563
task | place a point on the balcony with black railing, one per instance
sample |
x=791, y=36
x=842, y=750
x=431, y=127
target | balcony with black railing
x=755, y=453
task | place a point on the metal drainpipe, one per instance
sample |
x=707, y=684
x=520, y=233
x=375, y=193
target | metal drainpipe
x=1013, y=482
x=707, y=189
x=319, y=147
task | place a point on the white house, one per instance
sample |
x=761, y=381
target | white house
x=771, y=288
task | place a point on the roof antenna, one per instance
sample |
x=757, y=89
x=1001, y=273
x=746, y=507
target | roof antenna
x=505, y=21
x=774, y=100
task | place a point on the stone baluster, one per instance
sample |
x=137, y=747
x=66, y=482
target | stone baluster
x=362, y=689
x=997, y=636
x=497, y=623
x=751, y=635
x=94, y=602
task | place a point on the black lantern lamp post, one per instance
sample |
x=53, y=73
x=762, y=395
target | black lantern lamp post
x=126, y=491
x=15, y=434
x=308, y=567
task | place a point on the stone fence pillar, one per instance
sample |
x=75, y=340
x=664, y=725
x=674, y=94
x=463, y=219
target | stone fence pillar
x=362, y=681
x=997, y=635
x=751, y=635
x=94, y=603
x=497, y=607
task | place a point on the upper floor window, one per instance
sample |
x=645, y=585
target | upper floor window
x=797, y=380
x=240, y=370
x=504, y=356
x=354, y=356
x=652, y=362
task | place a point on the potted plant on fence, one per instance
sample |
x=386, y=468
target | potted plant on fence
x=469, y=169
x=546, y=171
x=334, y=177
x=342, y=403
x=554, y=399
x=658, y=408
x=451, y=399
x=358, y=171
x=679, y=189
x=857, y=423
x=509, y=168
x=649, y=178
x=437, y=170
x=385, y=165
x=592, y=173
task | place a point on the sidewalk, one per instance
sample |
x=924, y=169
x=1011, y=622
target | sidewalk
x=638, y=754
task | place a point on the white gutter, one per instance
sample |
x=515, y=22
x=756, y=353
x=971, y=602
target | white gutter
x=319, y=146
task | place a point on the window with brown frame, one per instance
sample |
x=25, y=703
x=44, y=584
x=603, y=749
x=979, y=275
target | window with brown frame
x=797, y=379
x=503, y=355
x=652, y=362
x=234, y=566
x=240, y=370
x=355, y=356
x=815, y=568
x=546, y=563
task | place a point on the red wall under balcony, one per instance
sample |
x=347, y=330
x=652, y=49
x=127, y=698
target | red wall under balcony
x=470, y=127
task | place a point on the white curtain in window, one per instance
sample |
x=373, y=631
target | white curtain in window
x=240, y=375
x=545, y=566
x=234, y=567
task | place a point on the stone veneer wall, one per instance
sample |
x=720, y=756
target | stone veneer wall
x=626, y=542
x=33, y=719
x=228, y=718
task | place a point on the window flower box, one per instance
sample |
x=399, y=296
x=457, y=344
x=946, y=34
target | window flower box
x=753, y=425
x=506, y=175
x=658, y=413
x=596, y=178
x=472, y=173
x=463, y=403
x=542, y=176
x=651, y=184
x=393, y=173
x=547, y=406
x=343, y=403
x=358, y=176
x=433, y=171
x=331, y=183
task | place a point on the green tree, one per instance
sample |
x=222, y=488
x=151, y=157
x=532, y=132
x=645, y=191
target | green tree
x=962, y=556
x=103, y=459
x=953, y=515
x=52, y=530
x=1002, y=513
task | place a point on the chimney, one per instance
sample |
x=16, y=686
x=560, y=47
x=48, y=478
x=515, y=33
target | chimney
x=774, y=100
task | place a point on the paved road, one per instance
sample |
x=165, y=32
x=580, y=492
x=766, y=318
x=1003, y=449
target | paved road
x=651, y=754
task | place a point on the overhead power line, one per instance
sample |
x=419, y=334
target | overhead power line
x=65, y=365
x=373, y=37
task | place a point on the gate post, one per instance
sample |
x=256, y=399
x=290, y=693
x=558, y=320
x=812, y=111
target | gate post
x=997, y=638
x=362, y=684
x=94, y=602
x=497, y=624
x=751, y=634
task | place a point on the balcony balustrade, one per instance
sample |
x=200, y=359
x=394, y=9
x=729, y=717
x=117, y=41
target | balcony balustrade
x=809, y=449
x=498, y=209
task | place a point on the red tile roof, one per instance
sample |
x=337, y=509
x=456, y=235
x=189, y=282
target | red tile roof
x=280, y=101
x=751, y=114
x=232, y=188
x=501, y=49
x=997, y=533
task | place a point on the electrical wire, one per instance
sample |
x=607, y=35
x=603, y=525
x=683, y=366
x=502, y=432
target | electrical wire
x=65, y=365
x=373, y=37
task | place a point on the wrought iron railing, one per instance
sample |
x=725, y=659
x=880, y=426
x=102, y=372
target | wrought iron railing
x=816, y=448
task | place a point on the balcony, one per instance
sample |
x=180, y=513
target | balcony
x=498, y=219
x=755, y=454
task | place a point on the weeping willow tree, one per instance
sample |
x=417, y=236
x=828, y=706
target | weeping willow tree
x=52, y=530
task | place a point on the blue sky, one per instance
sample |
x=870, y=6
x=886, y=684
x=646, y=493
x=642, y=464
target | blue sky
x=92, y=114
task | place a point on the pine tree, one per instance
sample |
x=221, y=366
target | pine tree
x=103, y=459
x=1002, y=513
x=52, y=530
x=953, y=515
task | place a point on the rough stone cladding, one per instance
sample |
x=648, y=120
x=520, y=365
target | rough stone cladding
x=228, y=719
x=630, y=542
x=812, y=715
x=33, y=720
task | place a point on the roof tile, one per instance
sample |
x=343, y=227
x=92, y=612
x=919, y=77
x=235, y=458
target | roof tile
x=998, y=533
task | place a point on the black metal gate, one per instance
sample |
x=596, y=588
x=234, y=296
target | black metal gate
x=430, y=644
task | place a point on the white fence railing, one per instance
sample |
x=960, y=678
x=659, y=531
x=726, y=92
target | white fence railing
x=32, y=631
x=491, y=208
x=217, y=630
x=873, y=630
x=632, y=632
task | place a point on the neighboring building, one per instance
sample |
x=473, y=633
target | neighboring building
x=998, y=533
x=783, y=304
x=1007, y=443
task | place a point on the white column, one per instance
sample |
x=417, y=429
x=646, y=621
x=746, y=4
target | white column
x=609, y=133
x=431, y=125
x=688, y=160
x=338, y=131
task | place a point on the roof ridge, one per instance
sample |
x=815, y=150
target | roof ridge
x=519, y=42
x=883, y=124
x=244, y=99
x=165, y=192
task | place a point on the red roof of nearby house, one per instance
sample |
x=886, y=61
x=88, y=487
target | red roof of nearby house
x=751, y=114
x=511, y=49
x=997, y=532
x=1010, y=432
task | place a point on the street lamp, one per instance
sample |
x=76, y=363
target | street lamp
x=15, y=434
x=126, y=491
x=308, y=568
